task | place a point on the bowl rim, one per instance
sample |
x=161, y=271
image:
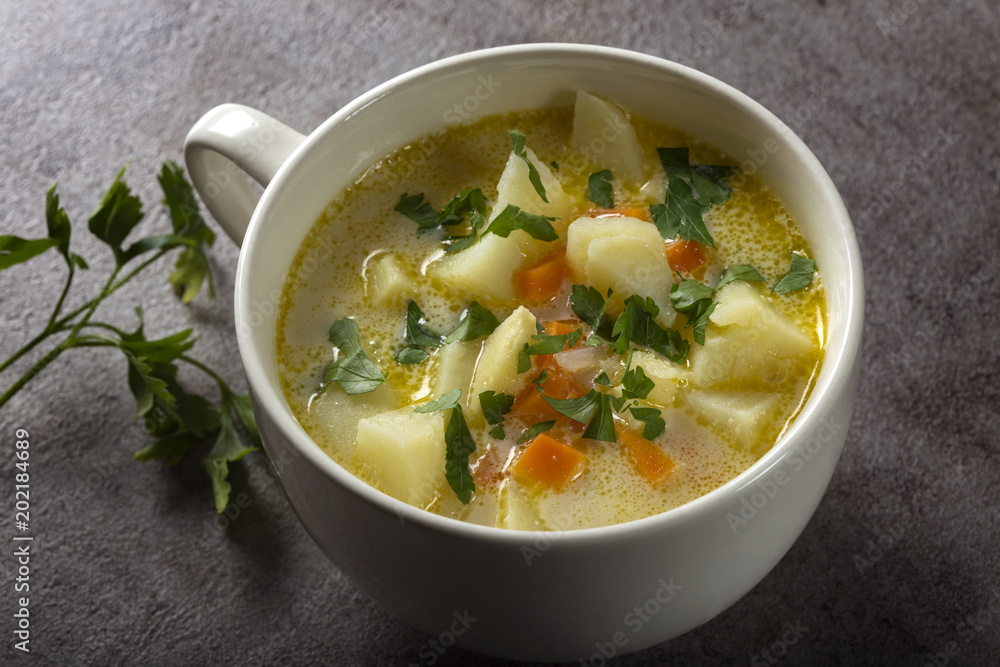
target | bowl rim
x=844, y=356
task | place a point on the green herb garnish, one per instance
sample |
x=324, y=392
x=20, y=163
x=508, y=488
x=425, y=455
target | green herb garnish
x=691, y=190
x=416, y=209
x=533, y=431
x=459, y=445
x=800, y=274
x=599, y=189
x=517, y=147
x=417, y=336
x=476, y=322
x=353, y=370
x=495, y=406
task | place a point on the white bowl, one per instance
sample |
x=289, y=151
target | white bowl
x=585, y=594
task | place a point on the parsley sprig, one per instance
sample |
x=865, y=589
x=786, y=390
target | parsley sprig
x=176, y=418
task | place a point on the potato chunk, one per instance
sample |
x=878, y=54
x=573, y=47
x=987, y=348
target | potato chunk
x=750, y=342
x=739, y=415
x=455, y=364
x=497, y=367
x=624, y=254
x=405, y=453
x=515, y=511
x=385, y=279
x=601, y=131
x=741, y=305
x=665, y=374
x=514, y=187
x=487, y=268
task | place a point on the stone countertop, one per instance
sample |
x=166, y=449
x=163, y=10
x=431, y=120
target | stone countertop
x=899, y=99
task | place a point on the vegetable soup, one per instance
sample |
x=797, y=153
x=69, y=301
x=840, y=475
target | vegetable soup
x=552, y=319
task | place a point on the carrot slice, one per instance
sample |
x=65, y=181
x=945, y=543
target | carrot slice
x=648, y=459
x=685, y=256
x=542, y=281
x=548, y=461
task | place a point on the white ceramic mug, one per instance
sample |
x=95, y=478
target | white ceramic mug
x=576, y=595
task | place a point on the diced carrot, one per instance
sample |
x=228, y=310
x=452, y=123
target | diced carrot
x=648, y=459
x=548, y=461
x=559, y=327
x=530, y=405
x=685, y=256
x=542, y=281
x=640, y=213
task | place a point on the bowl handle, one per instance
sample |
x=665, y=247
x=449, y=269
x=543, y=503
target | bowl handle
x=229, y=140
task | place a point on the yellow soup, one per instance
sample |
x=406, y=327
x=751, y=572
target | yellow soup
x=613, y=352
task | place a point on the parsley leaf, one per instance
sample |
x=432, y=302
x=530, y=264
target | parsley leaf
x=599, y=189
x=411, y=354
x=635, y=384
x=117, y=215
x=497, y=432
x=800, y=274
x=353, y=369
x=637, y=324
x=495, y=406
x=513, y=218
x=533, y=431
x=447, y=401
x=653, y=420
x=458, y=243
x=517, y=139
x=476, y=322
x=416, y=209
x=590, y=307
x=736, y=272
x=579, y=409
x=14, y=249
x=602, y=424
x=191, y=268
x=459, y=445
x=417, y=332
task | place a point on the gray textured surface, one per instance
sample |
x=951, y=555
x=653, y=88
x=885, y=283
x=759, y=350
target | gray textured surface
x=900, y=100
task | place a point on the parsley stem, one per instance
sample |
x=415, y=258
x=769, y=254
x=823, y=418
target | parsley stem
x=223, y=387
x=62, y=297
x=38, y=366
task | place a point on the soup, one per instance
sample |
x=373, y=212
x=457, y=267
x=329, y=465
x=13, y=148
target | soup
x=552, y=319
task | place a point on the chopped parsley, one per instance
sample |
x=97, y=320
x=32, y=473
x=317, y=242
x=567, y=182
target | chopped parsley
x=599, y=189
x=800, y=274
x=517, y=146
x=353, y=370
x=691, y=190
x=459, y=445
